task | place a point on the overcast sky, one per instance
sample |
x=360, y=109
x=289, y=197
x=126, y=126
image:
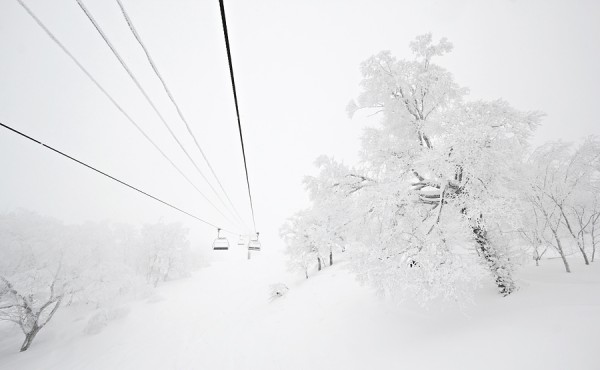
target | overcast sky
x=296, y=65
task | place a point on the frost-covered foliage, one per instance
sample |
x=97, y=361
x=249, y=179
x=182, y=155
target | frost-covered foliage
x=165, y=253
x=311, y=240
x=436, y=185
x=35, y=274
x=45, y=264
x=564, y=198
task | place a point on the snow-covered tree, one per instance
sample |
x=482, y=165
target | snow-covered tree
x=594, y=227
x=563, y=191
x=165, y=250
x=35, y=275
x=301, y=250
x=105, y=272
x=533, y=229
x=578, y=205
x=437, y=183
x=45, y=265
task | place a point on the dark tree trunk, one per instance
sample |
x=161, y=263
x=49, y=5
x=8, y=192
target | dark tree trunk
x=319, y=262
x=29, y=338
x=499, y=268
x=330, y=257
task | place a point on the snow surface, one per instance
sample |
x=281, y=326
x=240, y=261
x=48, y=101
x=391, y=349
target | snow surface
x=223, y=318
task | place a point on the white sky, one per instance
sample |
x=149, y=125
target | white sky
x=296, y=65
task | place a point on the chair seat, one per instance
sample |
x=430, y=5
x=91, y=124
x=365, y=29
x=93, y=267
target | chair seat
x=254, y=245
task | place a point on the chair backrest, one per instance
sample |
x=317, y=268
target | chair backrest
x=221, y=244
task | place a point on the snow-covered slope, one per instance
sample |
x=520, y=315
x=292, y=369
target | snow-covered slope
x=222, y=318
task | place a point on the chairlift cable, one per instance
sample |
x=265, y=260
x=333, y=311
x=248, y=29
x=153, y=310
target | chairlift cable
x=147, y=97
x=177, y=108
x=112, y=177
x=237, y=110
x=114, y=102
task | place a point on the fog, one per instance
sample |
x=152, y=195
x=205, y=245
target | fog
x=296, y=66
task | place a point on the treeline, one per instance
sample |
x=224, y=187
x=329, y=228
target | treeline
x=563, y=198
x=45, y=265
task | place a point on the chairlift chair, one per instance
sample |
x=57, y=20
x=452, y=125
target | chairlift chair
x=254, y=244
x=241, y=241
x=221, y=243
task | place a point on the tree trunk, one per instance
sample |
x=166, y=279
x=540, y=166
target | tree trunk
x=560, y=250
x=593, y=243
x=585, y=257
x=330, y=257
x=499, y=267
x=581, y=246
x=564, y=259
x=29, y=338
x=576, y=237
x=306, y=273
x=319, y=262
